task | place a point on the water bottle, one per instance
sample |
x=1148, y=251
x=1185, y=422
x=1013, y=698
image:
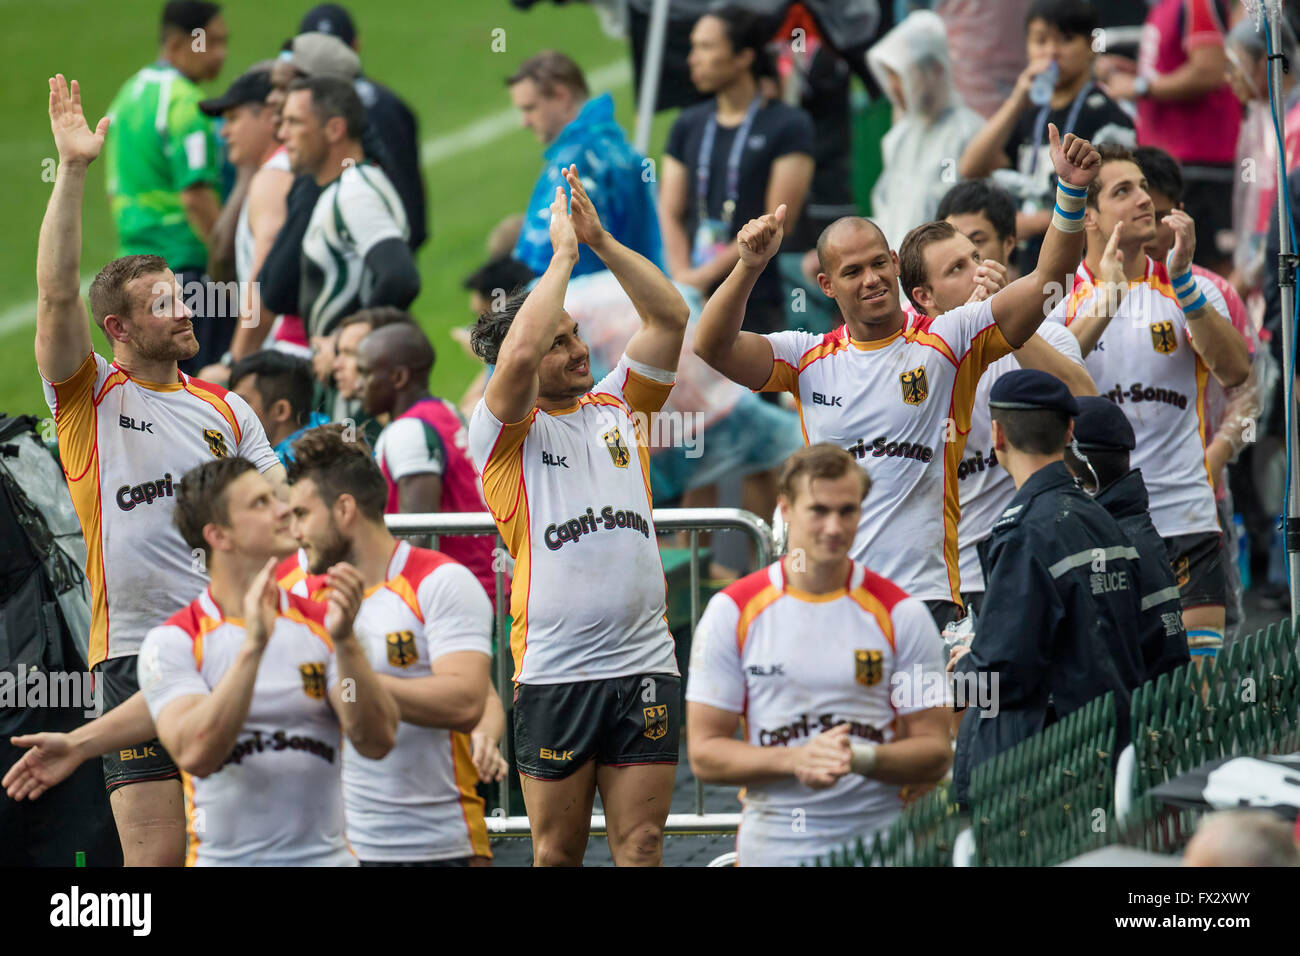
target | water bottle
x=1243, y=551
x=1040, y=91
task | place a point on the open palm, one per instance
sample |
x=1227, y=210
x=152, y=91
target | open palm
x=75, y=140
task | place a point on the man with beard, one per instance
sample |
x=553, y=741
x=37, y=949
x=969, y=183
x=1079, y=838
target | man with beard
x=128, y=430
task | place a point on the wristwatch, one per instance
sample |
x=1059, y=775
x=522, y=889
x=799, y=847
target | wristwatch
x=1141, y=86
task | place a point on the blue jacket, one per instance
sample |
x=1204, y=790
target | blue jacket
x=616, y=177
x=284, y=450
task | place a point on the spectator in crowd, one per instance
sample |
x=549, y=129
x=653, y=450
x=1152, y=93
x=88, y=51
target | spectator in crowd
x=727, y=160
x=984, y=65
x=248, y=129
x=1242, y=838
x=347, y=341
x=1254, y=196
x=1058, y=42
x=392, y=120
x=278, y=389
x=551, y=95
x=1186, y=107
x=423, y=451
x=931, y=125
x=1232, y=414
x=354, y=253
x=163, y=165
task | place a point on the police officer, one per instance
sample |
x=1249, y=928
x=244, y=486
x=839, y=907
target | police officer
x=1098, y=458
x=1061, y=605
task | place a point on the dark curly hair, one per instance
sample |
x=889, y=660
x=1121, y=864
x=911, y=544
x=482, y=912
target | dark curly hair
x=490, y=330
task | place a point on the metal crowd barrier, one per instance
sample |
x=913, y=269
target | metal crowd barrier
x=667, y=521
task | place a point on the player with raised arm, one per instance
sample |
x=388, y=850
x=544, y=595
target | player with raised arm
x=824, y=661
x=128, y=430
x=898, y=398
x=565, y=469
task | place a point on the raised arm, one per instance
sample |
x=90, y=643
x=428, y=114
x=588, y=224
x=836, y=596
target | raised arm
x=1221, y=347
x=1021, y=307
x=1112, y=286
x=663, y=311
x=743, y=357
x=511, y=393
x=987, y=149
x=62, y=324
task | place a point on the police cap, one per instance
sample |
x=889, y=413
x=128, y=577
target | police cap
x=1100, y=424
x=1032, y=390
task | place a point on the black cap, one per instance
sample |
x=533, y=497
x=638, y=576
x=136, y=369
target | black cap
x=1101, y=425
x=329, y=18
x=251, y=87
x=1031, y=389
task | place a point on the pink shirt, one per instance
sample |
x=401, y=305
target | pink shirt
x=1203, y=130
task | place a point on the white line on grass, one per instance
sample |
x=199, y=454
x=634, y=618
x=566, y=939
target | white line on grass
x=432, y=151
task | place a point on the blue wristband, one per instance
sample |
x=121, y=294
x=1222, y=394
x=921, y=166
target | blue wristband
x=1077, y=192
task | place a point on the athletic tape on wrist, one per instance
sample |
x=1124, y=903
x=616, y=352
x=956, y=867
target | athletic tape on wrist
x=1190, y=296
x=864, y=758
x=1068, y=214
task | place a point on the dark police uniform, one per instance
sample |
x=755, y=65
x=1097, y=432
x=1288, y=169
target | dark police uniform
x=1061, y=604
x=1102, y=425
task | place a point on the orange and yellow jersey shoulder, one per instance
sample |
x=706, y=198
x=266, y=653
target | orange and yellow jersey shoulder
x=902, y=406
x=1145, y=363
x=277, y=800
x=419, y=802
x=125, y=445
x=795, y=665
x=570, y=492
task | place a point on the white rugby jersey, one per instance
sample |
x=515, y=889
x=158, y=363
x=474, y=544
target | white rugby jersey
x=278, y=798
x=125, y=444
x=570, y=492
x=984, y=486
x=1145, y=363
x=419, y=802
x=892, y=403
x=795, y=665
x=354, y=213
x=244, y=234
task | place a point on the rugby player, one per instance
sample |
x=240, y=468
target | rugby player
x=128, y=430
x=945, y=274
x=899, y=398
x=825, y=662
x=425, y=625
x=249, y=686
x=565, y=470
x=1151, y=355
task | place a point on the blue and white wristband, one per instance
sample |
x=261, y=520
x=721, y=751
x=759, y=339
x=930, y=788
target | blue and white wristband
x=1068, y=214
x=1190, y=296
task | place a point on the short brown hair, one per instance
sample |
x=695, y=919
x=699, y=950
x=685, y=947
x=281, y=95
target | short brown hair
x=108, y=295
x=377, y=317
x=911, y=255
x=1110, y=153
x=822, y=460
x=201, y=498
x=550, y=69
x=340, y=467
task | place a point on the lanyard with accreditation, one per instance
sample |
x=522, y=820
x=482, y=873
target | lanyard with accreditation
x=713, y=235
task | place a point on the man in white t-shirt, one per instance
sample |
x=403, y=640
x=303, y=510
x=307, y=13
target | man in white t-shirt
x=246, y=685
x=825, y=663
x=566, y=474
x=899, y=398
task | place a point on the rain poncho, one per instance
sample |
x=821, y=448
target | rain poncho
x=931, y=125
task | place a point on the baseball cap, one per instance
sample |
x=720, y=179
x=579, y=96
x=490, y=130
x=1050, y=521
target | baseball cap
x=251, y=87
x=329, y=18
x=319, y=54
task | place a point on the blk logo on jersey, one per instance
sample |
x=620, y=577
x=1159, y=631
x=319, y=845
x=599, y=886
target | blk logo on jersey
x=835, y=401
x=216, y=442
x=1163, y=337
x=656, y=722
x=617, y=448
x=559, y=461
x=313, y=679
x=127, y=422
x=915, y=386
x=401, y=648
x=868, y=667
